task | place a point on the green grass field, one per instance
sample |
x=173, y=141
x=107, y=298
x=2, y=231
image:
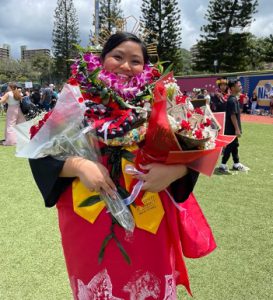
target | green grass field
x=239, y=209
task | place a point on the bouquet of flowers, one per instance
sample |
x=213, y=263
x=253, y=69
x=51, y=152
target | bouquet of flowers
x=63, y=133
x=181, y=133
x=118, y=107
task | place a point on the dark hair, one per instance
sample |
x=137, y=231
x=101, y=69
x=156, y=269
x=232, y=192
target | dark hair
x=120, y=37
x=233, y=82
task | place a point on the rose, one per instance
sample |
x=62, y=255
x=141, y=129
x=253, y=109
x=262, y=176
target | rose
x=189, y=115
x=208, y=122
x=155, y=73
x=35, y=128
x=198, y=134
x=199, y=111
x=72, y=81
x=180, y=99
x=185, y=125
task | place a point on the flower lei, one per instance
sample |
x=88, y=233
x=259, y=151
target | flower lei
x=117, y=106
x=112, y=99
x=87, y=71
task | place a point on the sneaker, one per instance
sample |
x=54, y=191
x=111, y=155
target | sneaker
x=223, y=169
x=240, y=167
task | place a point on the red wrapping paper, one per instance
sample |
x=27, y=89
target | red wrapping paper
x=161, y=144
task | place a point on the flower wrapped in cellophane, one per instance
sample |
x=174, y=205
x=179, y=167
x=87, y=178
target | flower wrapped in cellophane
x=64, y=132
x=181, y=133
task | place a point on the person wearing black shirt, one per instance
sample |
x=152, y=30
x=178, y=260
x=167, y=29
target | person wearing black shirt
x=36, y=97
x=233, y=127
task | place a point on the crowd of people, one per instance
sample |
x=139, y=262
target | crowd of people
x=34, y=101
x=21, y=104
x=228, y=98
x=218, y=99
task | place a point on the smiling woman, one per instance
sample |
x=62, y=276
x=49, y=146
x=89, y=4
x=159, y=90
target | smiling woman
x=97, y=250
x=123, y=62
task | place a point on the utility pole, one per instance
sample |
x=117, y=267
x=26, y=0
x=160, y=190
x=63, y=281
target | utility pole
x=97, y=12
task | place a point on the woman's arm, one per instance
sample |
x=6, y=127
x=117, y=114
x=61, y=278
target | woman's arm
x=4, y=98
x=53, y=176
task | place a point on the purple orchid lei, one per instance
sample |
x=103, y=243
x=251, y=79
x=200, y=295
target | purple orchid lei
x=89, y=63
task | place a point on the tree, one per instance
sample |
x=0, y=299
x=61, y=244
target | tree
x=109, y=14
x=14, y=70
x=110, y=11
x=224, y=40
x=255, y=53
x=43, y=65
x=185, y=64
x=268, y=49
x=161, y=20
x=65, y=35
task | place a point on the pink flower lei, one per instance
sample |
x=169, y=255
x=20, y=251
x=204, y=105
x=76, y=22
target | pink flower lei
x=89, y=63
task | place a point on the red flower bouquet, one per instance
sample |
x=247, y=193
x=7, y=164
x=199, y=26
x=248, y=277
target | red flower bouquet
x=182, y=134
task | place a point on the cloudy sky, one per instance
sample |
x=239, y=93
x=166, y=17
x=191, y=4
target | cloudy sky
x=30, y=22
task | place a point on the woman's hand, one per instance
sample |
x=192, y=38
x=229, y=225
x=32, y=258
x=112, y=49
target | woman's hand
x=160, y=176
x=92, y=174
x=96, y=177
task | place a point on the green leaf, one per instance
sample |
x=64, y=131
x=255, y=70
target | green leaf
x=119, y=100
x=122, y=250
x=148, y=97
x=90, y=201
x=79, y=47
x=94, y=74
x=167, y=70
x=160, y=68
x=103, y=246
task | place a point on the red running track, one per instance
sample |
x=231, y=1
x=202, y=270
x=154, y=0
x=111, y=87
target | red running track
x=257, y=119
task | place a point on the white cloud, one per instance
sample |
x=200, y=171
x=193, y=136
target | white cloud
x=30, y=22
x=262, y=26
x=201, y=11
x=189, y=33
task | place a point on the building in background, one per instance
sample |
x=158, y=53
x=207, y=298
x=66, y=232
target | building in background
x=5, y=52
x=27, y=54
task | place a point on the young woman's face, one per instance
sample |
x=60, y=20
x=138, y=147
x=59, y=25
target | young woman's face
x=126, y=59
x=223, y=87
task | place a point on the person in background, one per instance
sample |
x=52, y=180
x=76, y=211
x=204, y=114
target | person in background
x=271, y=105
x=243, y=100
x=254, y=101
x=54, y=97
x=219, y=100
x=233, y=127
x=206, y=96
x=14, y=113
x=47, y=97
x=200, y=94
x=2, y=108
x=36, y=97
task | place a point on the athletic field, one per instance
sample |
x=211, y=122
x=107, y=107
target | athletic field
x=239, y=209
